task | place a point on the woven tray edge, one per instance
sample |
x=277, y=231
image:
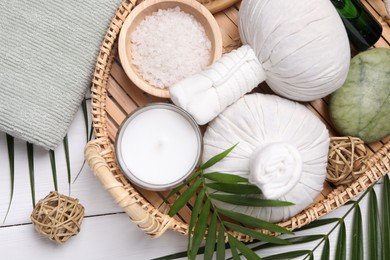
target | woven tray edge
x=379, y=162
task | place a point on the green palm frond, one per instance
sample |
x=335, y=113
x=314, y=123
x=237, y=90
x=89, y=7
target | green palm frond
x=67, y=159
x=89, y=138
x=214, y=230
x=221, y=243
x=199, y=230
x=11, y=159
x=357, y=235
x=378, y=223
x=296, y=240
x=375, y=246
x=30, y=158
x=288, y=255
x=245, y=250
x=318, y=223
x=341, y=249
x=53, y=168
x=85, y=114
x=340, y=242
x=216, y=158
x=386, y=217
x=211, y=237
x=88, y=129
x=249, y=201
x=326, y=250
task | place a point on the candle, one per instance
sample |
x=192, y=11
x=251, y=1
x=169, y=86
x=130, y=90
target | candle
x=158, y=146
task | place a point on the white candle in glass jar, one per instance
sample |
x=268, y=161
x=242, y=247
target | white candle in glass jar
x=158, y=146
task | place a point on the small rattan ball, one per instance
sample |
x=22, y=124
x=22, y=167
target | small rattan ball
x=347, y=160
x=58, y=217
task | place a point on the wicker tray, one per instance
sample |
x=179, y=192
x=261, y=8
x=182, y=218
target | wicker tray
x=114, y=96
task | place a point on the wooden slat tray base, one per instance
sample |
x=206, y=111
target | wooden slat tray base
x=124, y=97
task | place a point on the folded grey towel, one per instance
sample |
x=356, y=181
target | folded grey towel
x=48, y=50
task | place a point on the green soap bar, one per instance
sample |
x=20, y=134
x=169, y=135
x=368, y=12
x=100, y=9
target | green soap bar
x=361, y=107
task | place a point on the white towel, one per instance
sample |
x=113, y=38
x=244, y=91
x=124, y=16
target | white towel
x=47, y=56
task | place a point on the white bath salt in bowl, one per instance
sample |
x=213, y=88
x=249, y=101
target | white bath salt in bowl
x=168, y=46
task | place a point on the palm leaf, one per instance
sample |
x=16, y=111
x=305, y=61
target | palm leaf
x=53, y=168
x=200, y=230
x=85, y=114
x=216, y=158
x=341, y=251
x=234, y=184
x=288, y=255
x=184, y=198
x=88, y=137
x=196, y=209
x=249, y=201
x=357, y=235
x=326, y=251
x=234, y=251
x=83, y=165
x=246, y=251
x=67, y=159
x=234, y=188
x=224, y=177
x=221, y=243
x=187, y=182
x=30, y=157
x=211, y=238
x=375, y=247
x=11, y=159
x=386, y=217
x=195, y=214
x=291, y=241
x=305, y=239
x=340, y=241
x=254, y=222
x=256, y=235
x=318, y=223
x=341, y=238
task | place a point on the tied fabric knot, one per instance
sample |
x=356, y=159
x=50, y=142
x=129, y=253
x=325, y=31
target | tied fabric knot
x=275, y=168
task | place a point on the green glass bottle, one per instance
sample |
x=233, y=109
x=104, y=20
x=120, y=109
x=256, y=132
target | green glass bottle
x=362, y=28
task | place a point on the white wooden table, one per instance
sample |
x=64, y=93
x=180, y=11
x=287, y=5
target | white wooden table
x=106, y=233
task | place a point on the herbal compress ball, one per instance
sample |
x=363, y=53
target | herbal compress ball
x=300, y=48
x=361, y=107
x=302, y=45
x=282, y=148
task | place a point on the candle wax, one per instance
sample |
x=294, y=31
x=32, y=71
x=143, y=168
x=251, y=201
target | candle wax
x=159, y=146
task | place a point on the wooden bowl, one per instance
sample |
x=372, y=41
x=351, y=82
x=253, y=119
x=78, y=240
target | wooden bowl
x=146, y=8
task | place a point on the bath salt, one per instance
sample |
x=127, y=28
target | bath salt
x=168, y=46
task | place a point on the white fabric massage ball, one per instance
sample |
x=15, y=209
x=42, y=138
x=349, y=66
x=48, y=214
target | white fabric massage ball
x=301, y=45
x=300, y=48
x=282, y=148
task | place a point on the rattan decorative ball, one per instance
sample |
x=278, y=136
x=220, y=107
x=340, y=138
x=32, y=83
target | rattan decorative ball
x=58, y=217
x=347, y=160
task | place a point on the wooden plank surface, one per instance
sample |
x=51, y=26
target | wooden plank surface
x=102, y=237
